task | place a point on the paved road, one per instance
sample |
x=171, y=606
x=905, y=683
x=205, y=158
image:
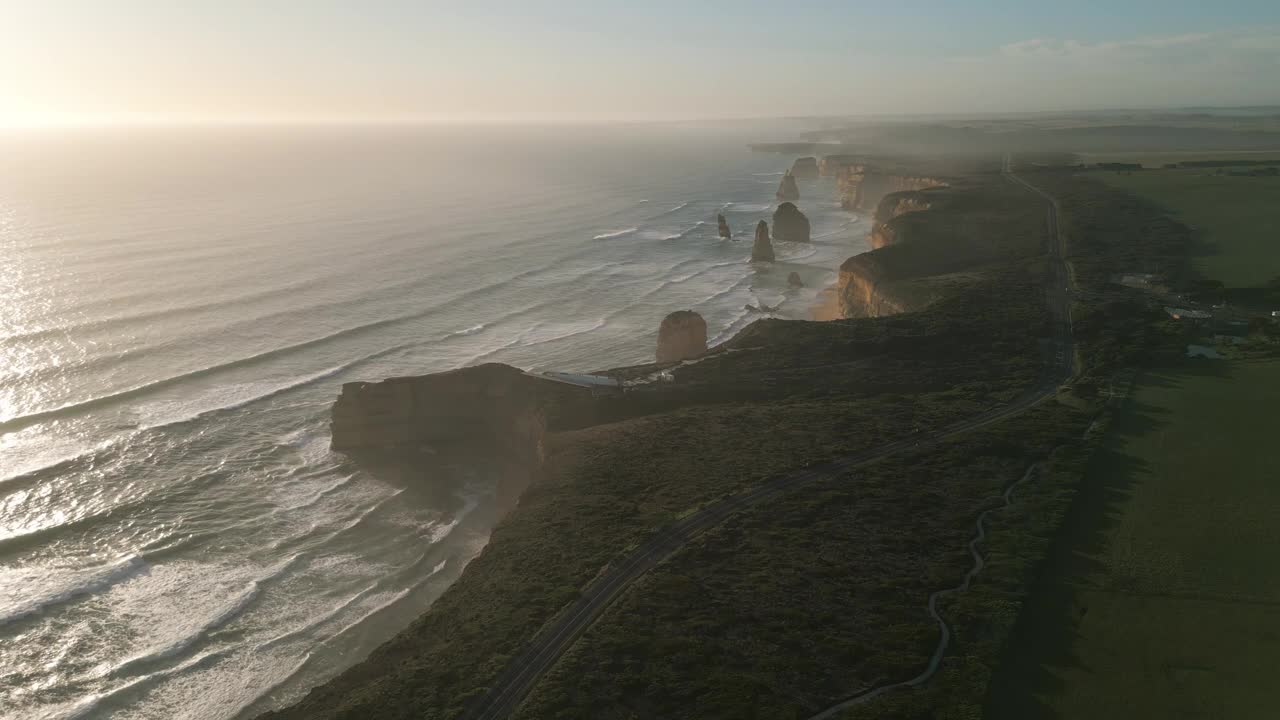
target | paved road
x=522, y=673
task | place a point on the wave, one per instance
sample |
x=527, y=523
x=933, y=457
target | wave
x=270, y=392
x=329, y=615
x=18, y=422
x=465, y=332
x=748, y=207
x=151, y=315
x=23, y=421
x=689, y=230
x=674, y=210
x=313, y=542
x=92, y=582
x=780, y=172
x=319, y=495
x=89, y=706
x=226, y=614
x=801, y=254
x=93, y=456
x=611, y=234
x=745, y=280
x=522, y=340
x=743, y=319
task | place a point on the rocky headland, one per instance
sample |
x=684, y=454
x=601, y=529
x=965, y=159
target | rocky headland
x=779, y=395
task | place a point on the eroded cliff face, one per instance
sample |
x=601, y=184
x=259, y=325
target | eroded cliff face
x=493, y=411
x=894, y=205
x=861, y=188
x=864, y=291
x=881, y=235
x=900, y=203
x=832, y=165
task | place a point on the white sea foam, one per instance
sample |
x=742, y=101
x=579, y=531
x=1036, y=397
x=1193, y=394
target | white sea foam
x=26, y=592
x=467, y=331
x=611, y=234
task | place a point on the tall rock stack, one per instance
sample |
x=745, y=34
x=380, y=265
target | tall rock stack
x=682, y=336
x=805, y=168
x=762, y=250
x=723, y=226
x=789, y=224
x=787, y=189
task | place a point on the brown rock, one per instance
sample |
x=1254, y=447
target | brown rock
x=762, y=250
x=789, y=224
x=794, y=280
x=682, y=335
x=723, y=226
x=787, y=189
x=805, y=168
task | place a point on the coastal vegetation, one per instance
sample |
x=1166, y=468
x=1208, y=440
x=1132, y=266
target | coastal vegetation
x=788, y=608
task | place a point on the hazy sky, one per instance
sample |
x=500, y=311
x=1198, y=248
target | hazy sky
x=196, y=60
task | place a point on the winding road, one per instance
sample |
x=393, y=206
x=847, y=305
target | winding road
x=515, y=682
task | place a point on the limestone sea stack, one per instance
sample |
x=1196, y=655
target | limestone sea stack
x=787, y=189
x=723, y=226
x=794, y=280
x=682, y=336
x=789, y=224
x=805, y=168
x=762, y=250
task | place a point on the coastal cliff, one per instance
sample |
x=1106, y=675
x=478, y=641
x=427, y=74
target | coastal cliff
x=892, y=206
x=492, y=410
x=805, y=168
x=926, y=244
x=865, y=290
x=862, y=188
x=719, y=429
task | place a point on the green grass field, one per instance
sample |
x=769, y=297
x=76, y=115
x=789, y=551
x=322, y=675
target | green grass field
x=1162, y=598
x=1239, y=216
x=1160, y=159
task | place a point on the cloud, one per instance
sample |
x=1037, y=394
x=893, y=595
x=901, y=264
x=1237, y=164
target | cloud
x=1163, y=47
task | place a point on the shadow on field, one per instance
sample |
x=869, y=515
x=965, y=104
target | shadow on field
x=1044, y=637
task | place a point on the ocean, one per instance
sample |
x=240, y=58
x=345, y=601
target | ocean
x=179, y=308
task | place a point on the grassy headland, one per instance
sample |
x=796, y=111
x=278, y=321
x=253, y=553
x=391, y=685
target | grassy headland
x=783, y=609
